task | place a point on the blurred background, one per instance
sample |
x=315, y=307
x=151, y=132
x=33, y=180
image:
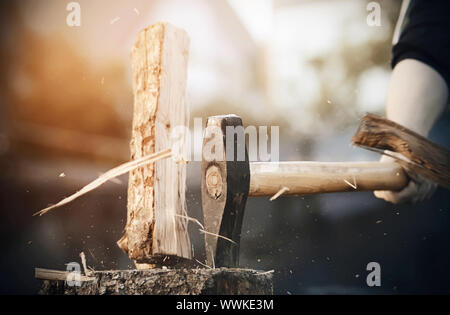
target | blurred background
x=311, y=67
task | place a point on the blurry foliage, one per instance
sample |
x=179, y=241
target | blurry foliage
x=338, y=73
x=337, y=106
x=47, y=81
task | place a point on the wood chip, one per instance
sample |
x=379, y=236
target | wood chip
x=279, y=193
x=117, y=171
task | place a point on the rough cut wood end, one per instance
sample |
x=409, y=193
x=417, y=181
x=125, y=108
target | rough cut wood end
x=423, y=157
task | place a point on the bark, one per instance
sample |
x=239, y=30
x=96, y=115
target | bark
x=220, y=281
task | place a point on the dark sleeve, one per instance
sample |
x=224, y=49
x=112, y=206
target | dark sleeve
x=425, y=36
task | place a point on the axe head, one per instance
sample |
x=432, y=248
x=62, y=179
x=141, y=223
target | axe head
x=225, y=184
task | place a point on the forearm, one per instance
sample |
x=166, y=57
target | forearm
x=417, y=96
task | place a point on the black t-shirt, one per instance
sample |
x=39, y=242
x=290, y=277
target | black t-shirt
x=425, y=36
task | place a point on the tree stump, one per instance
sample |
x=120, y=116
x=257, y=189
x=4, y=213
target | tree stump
x=219, y=281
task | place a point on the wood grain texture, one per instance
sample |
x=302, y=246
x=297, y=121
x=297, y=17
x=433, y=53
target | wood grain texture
x=303, y=178
x=156, y=193
x=423, y=157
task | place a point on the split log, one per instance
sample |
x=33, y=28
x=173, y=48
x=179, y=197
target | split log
x=221, y=281
x=421, y=156
x=156, y=193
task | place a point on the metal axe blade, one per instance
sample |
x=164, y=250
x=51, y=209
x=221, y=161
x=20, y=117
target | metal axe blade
x=225, y=186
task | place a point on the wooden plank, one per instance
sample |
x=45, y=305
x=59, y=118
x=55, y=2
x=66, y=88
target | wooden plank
x=421, y=156
x=156, y=193
x=57, y=275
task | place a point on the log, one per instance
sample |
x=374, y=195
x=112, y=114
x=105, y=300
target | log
x=221, y=281
x=418, y=154
x=155, y=225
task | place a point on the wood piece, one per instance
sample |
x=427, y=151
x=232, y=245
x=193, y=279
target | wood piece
x=57, y=275
x=279, y=193
x=84, y=264
x=109, y=175
x=426, y=158
x=156, y=193
x=221, y=281
x=303, y=178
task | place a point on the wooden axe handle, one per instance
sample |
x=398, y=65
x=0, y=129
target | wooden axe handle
x=302, y=178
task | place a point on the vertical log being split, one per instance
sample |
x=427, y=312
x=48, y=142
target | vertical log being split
x=156, y=193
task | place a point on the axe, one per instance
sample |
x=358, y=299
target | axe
x=227, y=181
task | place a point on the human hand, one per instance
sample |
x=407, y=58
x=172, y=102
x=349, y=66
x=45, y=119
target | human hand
x=418, y=188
